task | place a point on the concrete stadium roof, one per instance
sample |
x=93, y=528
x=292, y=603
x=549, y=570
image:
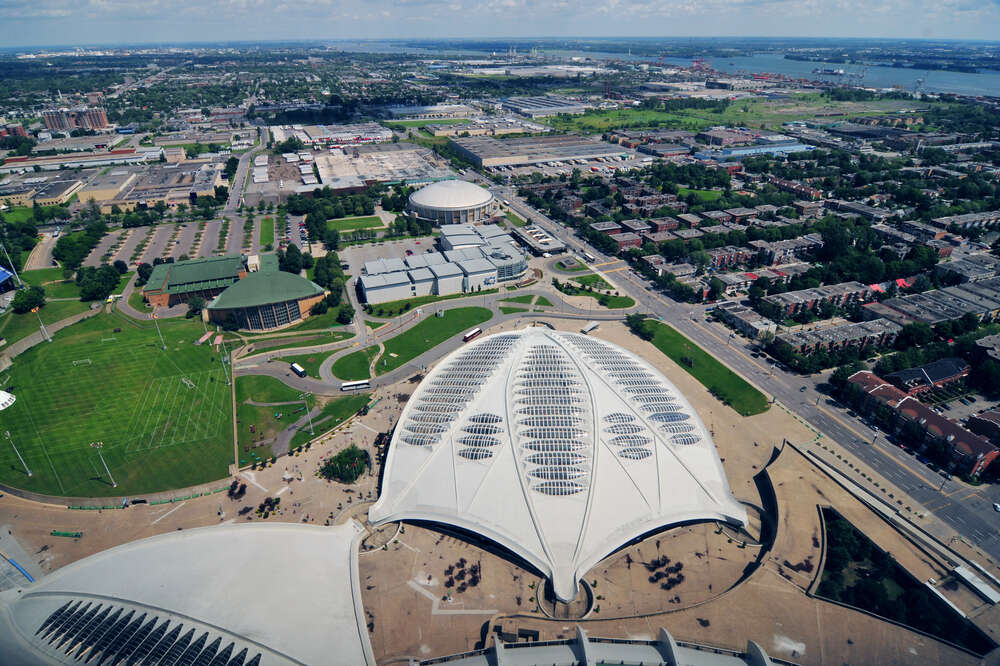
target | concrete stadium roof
x=557, y=446
x=451, y=195
x=194, y=595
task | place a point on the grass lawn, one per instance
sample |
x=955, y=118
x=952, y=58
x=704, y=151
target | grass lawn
x=267, y=422
x=309, y=362
x=136, y=301
x=749, y=113
x=60, y=289
x=13, y=326
x=355, y=223
x=428, y=334
x=354, y=366
x=515, y=219
x=722, y=382
x=375, y=324
x=394, y=308
x=308, y=340
x=591, y=280
x=333, y=413
x=317, y=322
x=267, y=232
x=543, y=301
x=39, y=277
x=705, y=196
x=164, y=417
x=524, y=300
x=605, y=300
x=511, y=310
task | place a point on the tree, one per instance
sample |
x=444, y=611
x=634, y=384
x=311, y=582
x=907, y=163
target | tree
x=28, y=299
x=914, y=335
x=346, y=466
x=144, y=270
x=290, y=260
x=346, y=314
x=120, y=266
x=307, y=260
x=195, y=306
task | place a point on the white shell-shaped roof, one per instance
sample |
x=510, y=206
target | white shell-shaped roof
x=557, y=446
x=451, y=195
x=6, y=400
x=214, y=595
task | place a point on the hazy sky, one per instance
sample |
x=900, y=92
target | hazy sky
x=47, y=22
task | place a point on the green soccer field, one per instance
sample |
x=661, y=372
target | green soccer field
x=164, y=417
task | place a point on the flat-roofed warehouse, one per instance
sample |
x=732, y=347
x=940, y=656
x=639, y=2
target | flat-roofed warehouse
x=549, y=105
x=485, y=151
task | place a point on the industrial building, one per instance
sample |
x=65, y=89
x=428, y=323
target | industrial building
x=540, y=107
x=333, y=135
x=352, y=169
x=538, y=240
x=484, y=151
x=170, y=183
x=266, y=300
x=471, y=258
x=488, y=128
x=556, y=446
x=878, y=332
x=453, y=202
x=70, y=119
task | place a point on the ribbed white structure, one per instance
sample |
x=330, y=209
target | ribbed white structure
x=557, y=446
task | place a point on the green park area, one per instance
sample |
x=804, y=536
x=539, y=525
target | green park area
x=524, y=299
x=163, y=417
x=506, y=309
x=260, y=346
x=514, y=219
x=395, y=308
x=14, y=327
x=355, y=223
x=592, y=280
x=18, y=214
x=721, y=382
x=267, y=232
x=705, y=196
x=264, y=407
x=309, y=362
x=354, y=366
x=740, y=113
x=332, y=413
x=428, y=334
x=610, y=301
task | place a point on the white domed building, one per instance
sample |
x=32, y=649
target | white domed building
x=453, y=202
x=559, y=447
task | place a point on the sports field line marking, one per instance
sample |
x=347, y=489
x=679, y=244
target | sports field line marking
x=136, y=415
x=168, y=513
x=164, y=417
x=41, y=443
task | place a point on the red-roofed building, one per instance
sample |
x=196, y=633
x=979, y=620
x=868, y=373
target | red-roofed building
x=971, y=454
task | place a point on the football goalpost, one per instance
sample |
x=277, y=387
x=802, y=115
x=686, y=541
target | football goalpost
x=82, y=361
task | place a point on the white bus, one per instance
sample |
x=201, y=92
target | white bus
x=472, y=334
x=298, y=369
x=589, y=257
x=356, y=386
x=506, y=203
x=589, y=327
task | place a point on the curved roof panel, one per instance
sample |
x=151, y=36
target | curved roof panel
x=265, y=288
x=451, y=195
x=204, y=596
x=557, y=446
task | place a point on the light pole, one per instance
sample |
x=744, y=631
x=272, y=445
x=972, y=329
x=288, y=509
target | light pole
x=308, y=412
x=99, y=446
x=41, y=326
x=157, y=325
x=7, y=432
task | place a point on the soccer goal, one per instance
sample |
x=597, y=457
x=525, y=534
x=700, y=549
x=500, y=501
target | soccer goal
x=82, y=361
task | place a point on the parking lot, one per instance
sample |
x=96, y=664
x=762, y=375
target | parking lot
x=357, y=255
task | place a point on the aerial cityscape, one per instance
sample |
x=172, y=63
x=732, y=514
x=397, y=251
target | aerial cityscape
x=357, y=341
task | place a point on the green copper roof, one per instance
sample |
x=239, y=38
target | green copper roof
x=195, y=274
x=263, y=288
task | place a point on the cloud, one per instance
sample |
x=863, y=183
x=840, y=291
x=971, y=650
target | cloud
x=87, y=21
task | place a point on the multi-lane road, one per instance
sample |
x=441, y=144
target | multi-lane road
x=966, y=509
